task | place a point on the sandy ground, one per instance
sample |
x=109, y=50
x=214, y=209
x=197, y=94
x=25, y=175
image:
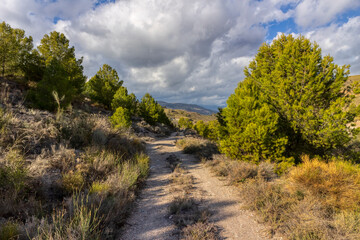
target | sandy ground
x=150, y=218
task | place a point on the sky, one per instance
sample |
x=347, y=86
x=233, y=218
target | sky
x=189, y=51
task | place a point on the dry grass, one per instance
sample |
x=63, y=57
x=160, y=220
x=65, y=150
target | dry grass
x=48, y=164
x=202, y=148
x=315, y=200
x=336, y=184
x=240, y=171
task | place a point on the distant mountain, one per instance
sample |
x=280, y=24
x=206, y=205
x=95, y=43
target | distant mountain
x=187, y=107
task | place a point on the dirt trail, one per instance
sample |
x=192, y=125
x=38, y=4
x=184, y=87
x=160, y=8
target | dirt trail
x=150, y=219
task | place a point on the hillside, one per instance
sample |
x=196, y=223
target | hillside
x=187, y=107
x=175, y=114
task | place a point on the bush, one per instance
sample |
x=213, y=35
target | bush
x=202, y=148
x=13, y=173
x=9, y=231
x=185, y=123
x=124, y=100
x=73, y=181
x=336, y=184
x=121, y=118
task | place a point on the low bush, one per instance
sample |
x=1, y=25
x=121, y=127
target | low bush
x=121, y=118
x=202, y=148
x=13, y=173
x=9, y=231
x=336, y=184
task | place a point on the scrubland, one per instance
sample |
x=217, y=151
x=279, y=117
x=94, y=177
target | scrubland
x=67, y=175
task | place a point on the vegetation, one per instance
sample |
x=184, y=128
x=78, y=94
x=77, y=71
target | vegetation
x=65, y=176
x=121, y=118
x=102, y=87
x=291, y=102
x=14, y=46
x=151, y=111
x=63, y=73
x=124, y=100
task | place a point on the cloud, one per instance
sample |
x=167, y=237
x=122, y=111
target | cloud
x=341, y=42
x=314, y=13
x=190, y=51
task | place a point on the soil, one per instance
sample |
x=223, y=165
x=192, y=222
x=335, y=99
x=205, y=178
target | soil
x=150, y=218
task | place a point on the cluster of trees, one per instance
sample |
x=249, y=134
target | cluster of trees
x=293, y=101
x=106, y=88
x=54, y=68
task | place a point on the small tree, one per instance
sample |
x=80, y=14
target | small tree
x=13, y=45
x=291, y=102
x=122, y=99
x=121, y=118
x=151, y=111
x=63, y=72
x=102, y=87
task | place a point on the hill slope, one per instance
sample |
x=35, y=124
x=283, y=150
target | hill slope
x=187, y=107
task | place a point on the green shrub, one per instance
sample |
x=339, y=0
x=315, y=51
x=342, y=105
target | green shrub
x=102, y=87
x=185, y=123
x=124, y=100
x=73, y=181
x=9, y=231
x=13, y=173
x=121, y=118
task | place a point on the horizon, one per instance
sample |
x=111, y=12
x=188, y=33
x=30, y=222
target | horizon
x=191, y=52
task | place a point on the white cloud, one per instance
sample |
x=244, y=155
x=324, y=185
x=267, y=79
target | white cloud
x=185, y=51
x=314, y=13
x=341, y=42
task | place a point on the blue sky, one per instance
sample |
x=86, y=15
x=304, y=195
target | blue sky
x=191, y=51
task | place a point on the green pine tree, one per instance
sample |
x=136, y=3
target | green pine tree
x=102, y=87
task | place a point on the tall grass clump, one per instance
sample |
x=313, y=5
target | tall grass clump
x=336, y=183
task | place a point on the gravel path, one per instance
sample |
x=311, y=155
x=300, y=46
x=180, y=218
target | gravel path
x=150, y=219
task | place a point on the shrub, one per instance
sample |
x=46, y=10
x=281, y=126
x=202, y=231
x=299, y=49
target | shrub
x=78, y=129
x=9, y=231
x=185, y=123
x=202, y=148
x=124, y=100
x=121, y=118
x=13, y=173
x=81, y=221
x=73, y=181
x=336, y=183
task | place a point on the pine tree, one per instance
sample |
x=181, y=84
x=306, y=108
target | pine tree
x=13, y=45
x=63, y=72
x=123, y=99
x=292, y=101
x=102, y=87
x=151, y=111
